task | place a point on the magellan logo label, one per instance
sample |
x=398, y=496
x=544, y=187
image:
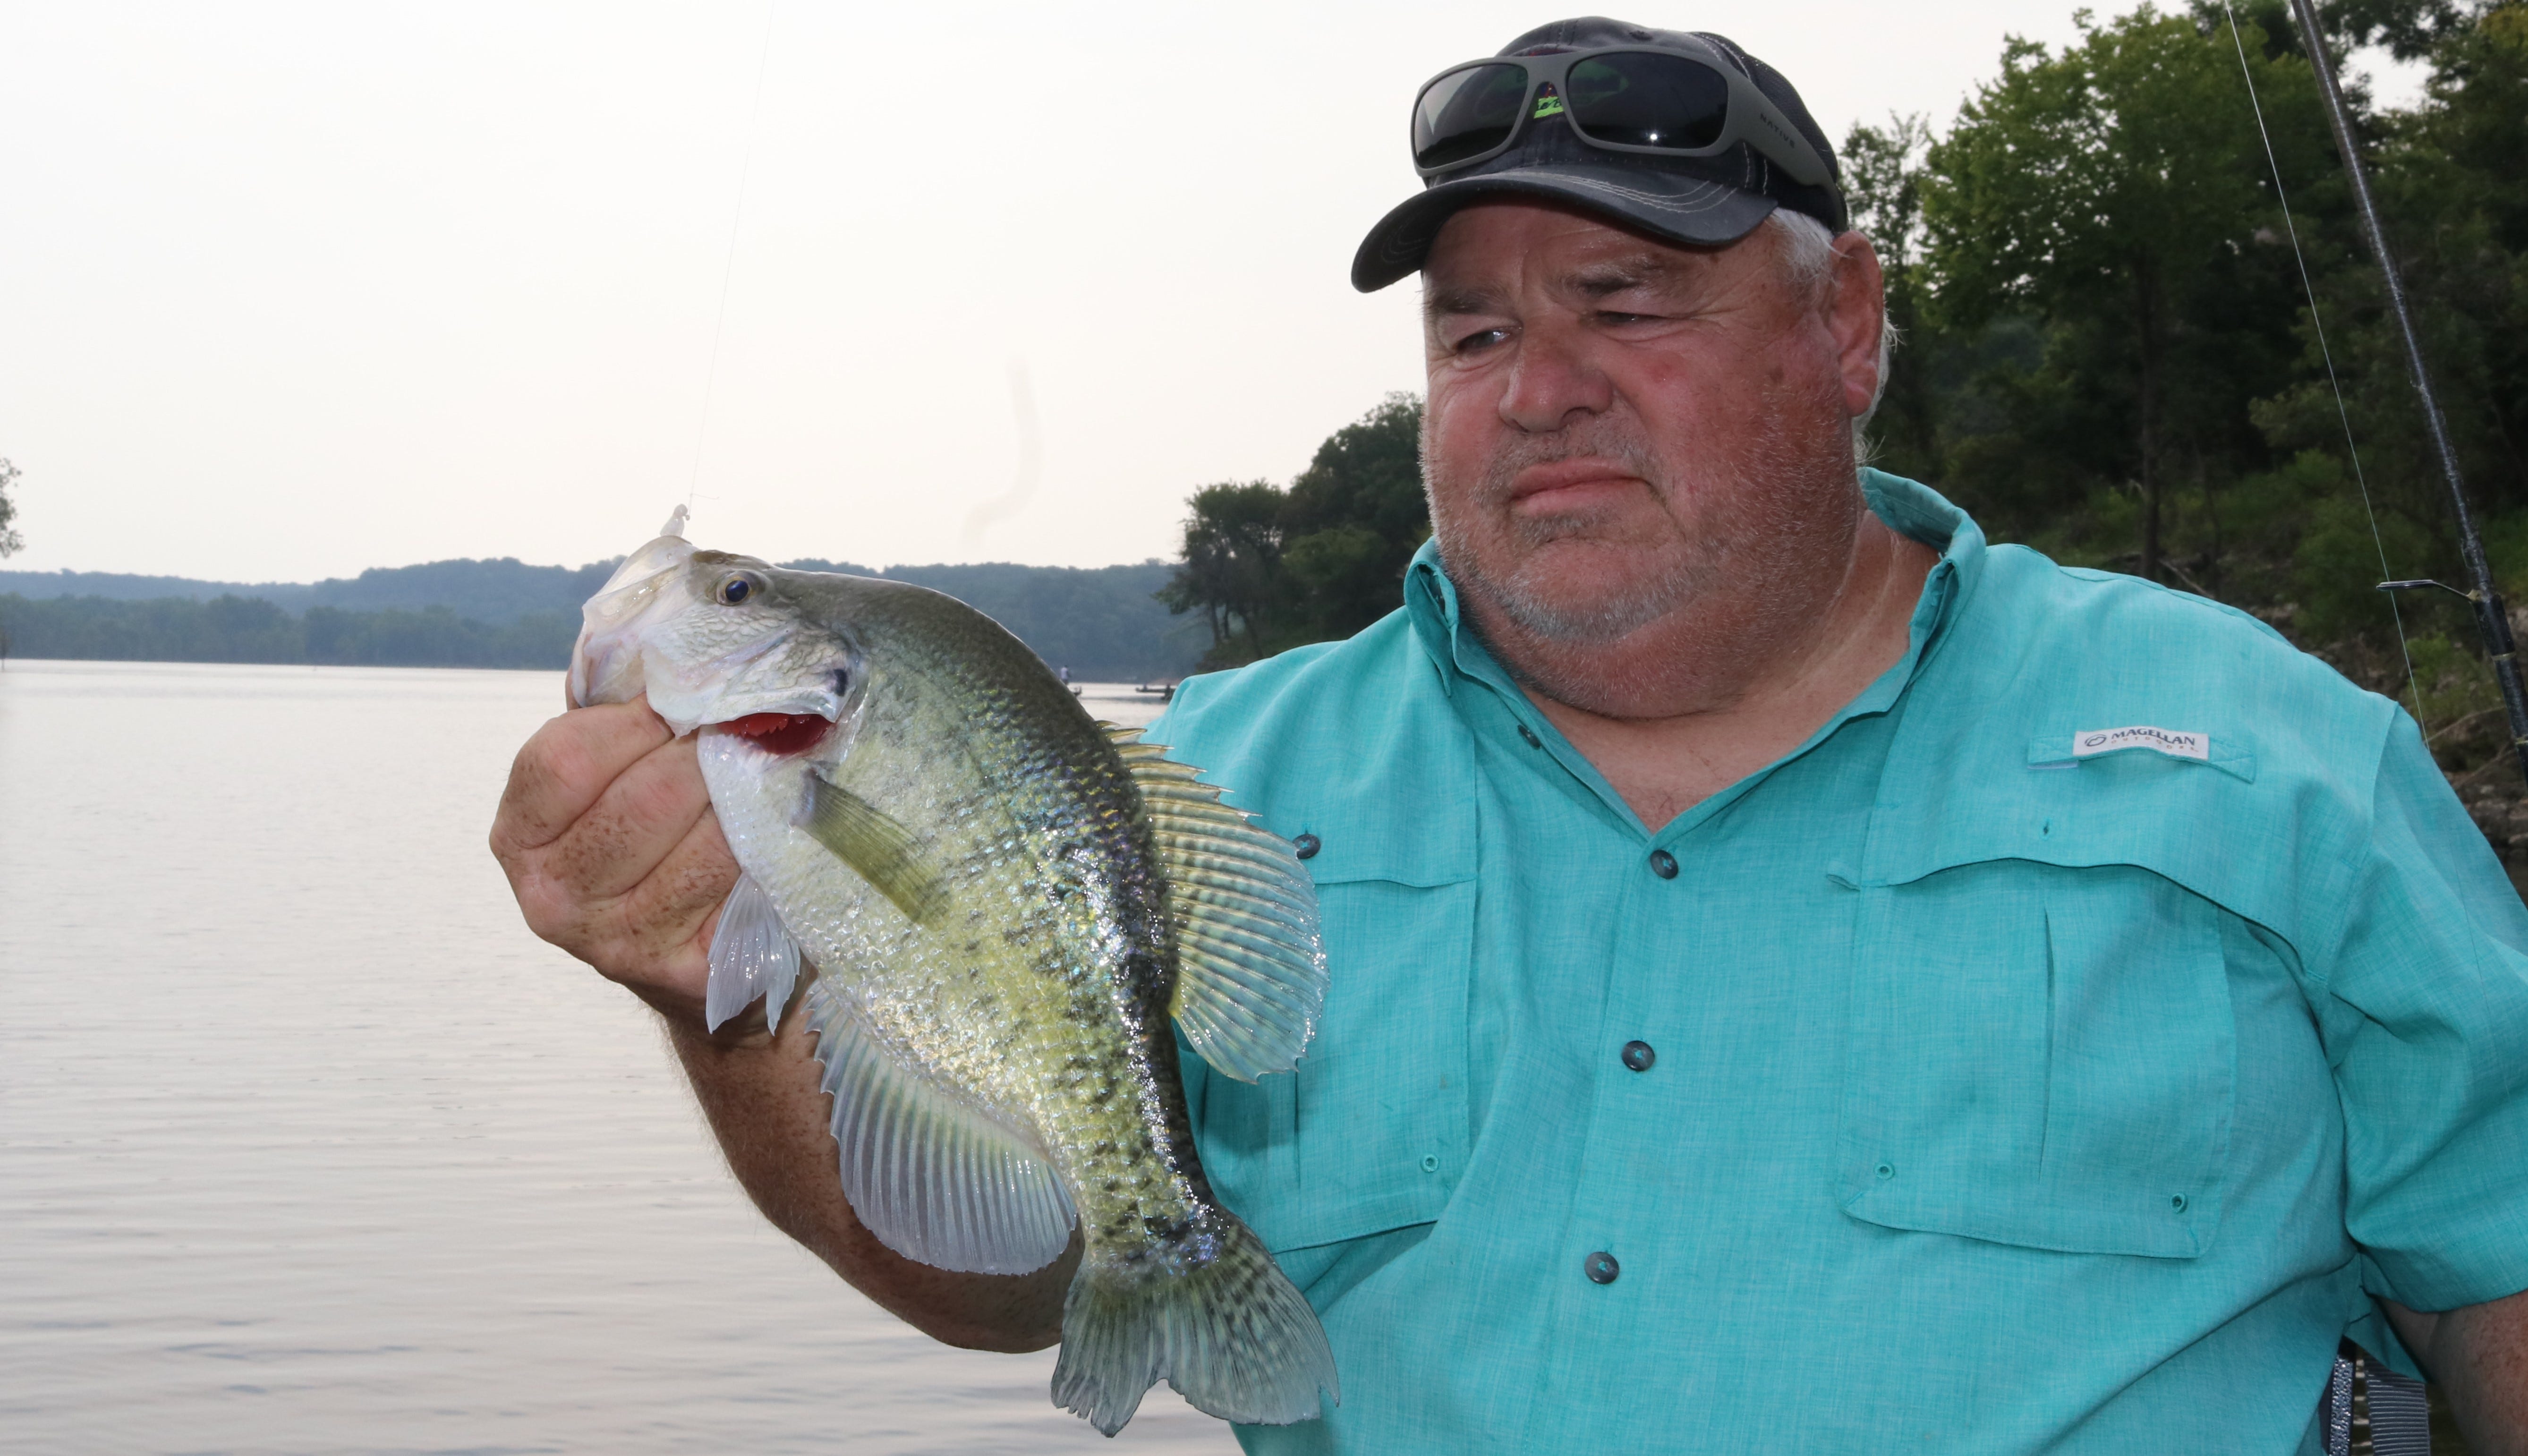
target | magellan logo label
x=2176, y=745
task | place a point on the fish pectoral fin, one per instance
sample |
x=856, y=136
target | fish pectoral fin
x=1250, y=968
x=934, y=1175
x=881, y=851
x=752, y=955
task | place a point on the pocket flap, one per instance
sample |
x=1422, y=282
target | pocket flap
x=2043, y=1057
x=2203, y=823
x=1371, y=1131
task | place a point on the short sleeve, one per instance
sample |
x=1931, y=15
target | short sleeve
x=2425, y=1017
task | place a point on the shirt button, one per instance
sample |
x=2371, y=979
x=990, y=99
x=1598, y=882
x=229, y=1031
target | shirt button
x=1664, y=865
x=1601, y=1267
x=1306, y=846
x=1529, y=734
x=1637, y=1055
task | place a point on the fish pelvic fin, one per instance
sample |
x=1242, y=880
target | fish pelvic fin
x=1231, y=1334
x=936, y=1176
x=1250, y=966
x=881, y=851
x=752, y=955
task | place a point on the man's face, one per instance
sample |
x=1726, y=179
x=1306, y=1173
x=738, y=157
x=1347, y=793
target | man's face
x=1618, y=428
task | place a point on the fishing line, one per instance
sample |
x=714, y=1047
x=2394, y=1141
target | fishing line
x=1030, y=460
x=729, y=264
x=2318, y=325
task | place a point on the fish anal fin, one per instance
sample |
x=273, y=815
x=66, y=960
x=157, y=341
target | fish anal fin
x=934, y=1175
x=1250, y=966
x=881, y=851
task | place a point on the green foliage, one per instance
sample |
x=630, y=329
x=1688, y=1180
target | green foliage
x=248, y=629
x=1353, y=519
x=1101, y=623
x=2109, y=351
x=10, y=540
x=1271, y=569
x=498, y=590
x=1883, y=186
x=2103, y=203
x=1230, y=568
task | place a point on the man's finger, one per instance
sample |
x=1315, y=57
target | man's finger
x=640, y=818
x=689, y=882
x=567, y=766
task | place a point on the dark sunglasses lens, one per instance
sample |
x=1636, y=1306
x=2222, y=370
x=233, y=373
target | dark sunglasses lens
x=1466, y=113
x=1639, y=99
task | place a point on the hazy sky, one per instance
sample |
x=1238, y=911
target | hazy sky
x=288, y=292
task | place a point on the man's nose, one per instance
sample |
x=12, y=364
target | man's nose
x=1551, y=381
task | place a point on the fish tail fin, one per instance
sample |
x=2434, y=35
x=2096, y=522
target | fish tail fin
x=1231, y=1334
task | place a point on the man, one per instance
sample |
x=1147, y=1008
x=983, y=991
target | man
x=1802, y=980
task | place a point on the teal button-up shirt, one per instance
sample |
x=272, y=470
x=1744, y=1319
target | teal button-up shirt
x=2010, y=1085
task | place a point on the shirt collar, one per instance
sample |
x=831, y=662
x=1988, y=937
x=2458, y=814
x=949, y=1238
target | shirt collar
x=1908, y=507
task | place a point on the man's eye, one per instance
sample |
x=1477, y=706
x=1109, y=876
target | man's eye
x=1480, y=340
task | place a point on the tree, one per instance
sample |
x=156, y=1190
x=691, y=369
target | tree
x=1353, y=519
x=1232, y=567
x=10, y=540
x=1274, y=569
x=1883, y=178
x=2109, y=197
x=2449, y=182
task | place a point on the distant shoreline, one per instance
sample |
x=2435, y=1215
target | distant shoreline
x=1103, y=623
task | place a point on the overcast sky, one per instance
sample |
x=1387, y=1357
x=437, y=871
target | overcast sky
x=290, y=291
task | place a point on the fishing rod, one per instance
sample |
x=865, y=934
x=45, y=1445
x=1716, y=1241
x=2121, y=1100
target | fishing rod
x=2492, y=619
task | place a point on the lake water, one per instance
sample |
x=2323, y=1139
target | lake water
x=307, y=1146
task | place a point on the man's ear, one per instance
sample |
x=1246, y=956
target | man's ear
x=1857, y=314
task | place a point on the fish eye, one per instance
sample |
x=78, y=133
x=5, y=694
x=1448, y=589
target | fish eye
x=739, y=589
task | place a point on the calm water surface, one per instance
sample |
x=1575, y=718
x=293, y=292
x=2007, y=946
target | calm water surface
x=306, y=1146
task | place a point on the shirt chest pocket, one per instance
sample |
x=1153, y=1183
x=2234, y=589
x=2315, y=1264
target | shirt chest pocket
x=2042, y=1055
x=1370, y=1133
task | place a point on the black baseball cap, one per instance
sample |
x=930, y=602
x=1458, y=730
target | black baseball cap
x=1704, y=201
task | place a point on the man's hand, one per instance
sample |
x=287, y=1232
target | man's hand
x=607, y=835
x=610, y=845
x=2478, y=1356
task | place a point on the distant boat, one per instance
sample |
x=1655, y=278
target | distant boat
x=1164, y=692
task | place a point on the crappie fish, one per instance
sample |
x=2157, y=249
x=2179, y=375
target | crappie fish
x=1006, y=903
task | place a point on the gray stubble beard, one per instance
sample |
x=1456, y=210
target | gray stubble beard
x=1758, y=535
x=1516, y=595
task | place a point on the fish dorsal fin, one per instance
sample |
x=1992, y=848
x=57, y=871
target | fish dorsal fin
x=750, y=955
x=882, y=851
x=936, y=1178
x=1250, y=970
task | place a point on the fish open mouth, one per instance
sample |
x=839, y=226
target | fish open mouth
x=780, y=733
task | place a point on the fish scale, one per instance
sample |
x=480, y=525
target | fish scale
x=1011, y=909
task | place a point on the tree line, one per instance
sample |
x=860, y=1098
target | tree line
x=2107, y=345
x=250, y=629
x=1102, y=623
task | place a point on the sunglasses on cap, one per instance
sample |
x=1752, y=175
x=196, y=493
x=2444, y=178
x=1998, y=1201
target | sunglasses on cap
x=1652, y=100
